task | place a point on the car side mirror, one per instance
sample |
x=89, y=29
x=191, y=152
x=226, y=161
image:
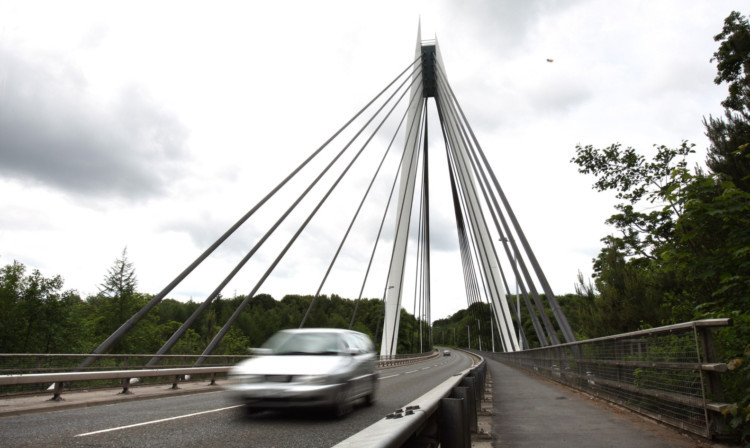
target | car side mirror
x=351, y=351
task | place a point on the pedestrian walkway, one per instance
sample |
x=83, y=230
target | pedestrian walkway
x=82, y=398
x=532, y=411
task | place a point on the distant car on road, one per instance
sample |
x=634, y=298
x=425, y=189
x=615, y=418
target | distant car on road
x=446, y=352
x=308, y=368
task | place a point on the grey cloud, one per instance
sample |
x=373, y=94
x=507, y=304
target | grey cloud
x=503, y=25
x=54, y=134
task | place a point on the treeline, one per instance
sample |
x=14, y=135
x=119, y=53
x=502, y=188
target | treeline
x=38, y=316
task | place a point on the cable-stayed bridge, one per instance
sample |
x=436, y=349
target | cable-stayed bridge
x=396, y=130
x=494, y=251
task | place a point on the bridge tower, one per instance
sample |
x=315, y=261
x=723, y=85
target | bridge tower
x=431, y=63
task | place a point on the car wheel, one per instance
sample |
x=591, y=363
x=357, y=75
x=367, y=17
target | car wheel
x=343, y=403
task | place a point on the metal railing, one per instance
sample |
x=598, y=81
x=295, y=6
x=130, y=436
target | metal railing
x=385, y=361
x=667, y=373
x=28, y=365
x=444, y=416
x=33, y=373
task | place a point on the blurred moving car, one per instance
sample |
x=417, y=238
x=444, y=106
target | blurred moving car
x=303, y=368
x=446, y=352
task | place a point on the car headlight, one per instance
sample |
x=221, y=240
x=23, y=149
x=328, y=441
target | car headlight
x=311, y=379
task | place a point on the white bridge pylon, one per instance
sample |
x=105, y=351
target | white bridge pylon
x=487, y=260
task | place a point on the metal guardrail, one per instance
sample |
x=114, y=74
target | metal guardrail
x=385, y=361
x=444, y=416
x=39, y=369
x=668, y=373
x=58, y=380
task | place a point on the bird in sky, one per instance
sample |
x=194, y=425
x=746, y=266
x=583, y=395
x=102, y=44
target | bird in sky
x=550, y=60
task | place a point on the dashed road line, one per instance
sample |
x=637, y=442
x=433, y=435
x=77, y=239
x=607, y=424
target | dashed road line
x=155, y=421
x=389, y=376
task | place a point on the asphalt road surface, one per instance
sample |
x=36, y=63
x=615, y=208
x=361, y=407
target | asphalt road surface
x=214, y=419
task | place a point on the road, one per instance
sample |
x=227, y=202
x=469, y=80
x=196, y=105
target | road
x=214, y=419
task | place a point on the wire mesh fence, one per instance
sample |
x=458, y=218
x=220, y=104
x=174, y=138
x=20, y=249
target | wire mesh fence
x=666, y=373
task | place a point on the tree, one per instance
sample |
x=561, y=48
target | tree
x=119, y=285
x=729, y=152
x=651, y=191
x=36, y=316
x=733, y=62
x=116, y=302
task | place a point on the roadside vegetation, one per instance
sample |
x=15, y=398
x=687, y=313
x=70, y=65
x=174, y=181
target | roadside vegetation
x=38, y=316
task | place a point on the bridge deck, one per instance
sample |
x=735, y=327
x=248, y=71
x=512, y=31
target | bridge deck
x=532, y=411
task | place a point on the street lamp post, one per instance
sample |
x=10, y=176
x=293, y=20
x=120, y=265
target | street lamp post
x=479, y=334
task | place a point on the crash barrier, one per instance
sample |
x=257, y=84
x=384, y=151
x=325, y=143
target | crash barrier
x=33, y=373
x=385, y=361
x=58, y=380
x=668, y=373
x=445, y=416
x=24, y=373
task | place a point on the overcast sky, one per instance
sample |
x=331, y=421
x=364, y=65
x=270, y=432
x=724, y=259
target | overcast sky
x=156, y=125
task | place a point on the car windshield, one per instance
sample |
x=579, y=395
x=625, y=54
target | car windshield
x=303, y=344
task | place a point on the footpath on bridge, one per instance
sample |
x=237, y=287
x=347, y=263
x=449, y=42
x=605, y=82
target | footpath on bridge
x=532, y=411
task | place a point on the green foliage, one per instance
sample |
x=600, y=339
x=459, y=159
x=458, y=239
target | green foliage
x=658, y=182
x=35, y=314
x=454, y=330
x=682, y=250
x=729, y=153
x=733, y=61
x=738, y=413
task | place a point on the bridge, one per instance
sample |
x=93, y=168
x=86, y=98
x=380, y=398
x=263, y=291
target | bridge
x=667, y=374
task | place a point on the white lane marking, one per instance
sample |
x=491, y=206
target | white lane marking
x=412, y=371
x=389, y=376
x=155, y=421
x=425, y=368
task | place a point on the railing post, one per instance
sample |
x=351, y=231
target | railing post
x=714, y=389
x=466, y=392
x=454, y=427
x=125, y=383
x=57, y=391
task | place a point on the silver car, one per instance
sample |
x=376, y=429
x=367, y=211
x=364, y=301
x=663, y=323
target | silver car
x=321, y=367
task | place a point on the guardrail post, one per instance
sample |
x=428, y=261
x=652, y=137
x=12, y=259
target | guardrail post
x=213, y=380
x=56, y=392
x=125, y=383
x=472, y=383
x=479, y=374
x=176, y=380
x=454, y=427
x=466, y=392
